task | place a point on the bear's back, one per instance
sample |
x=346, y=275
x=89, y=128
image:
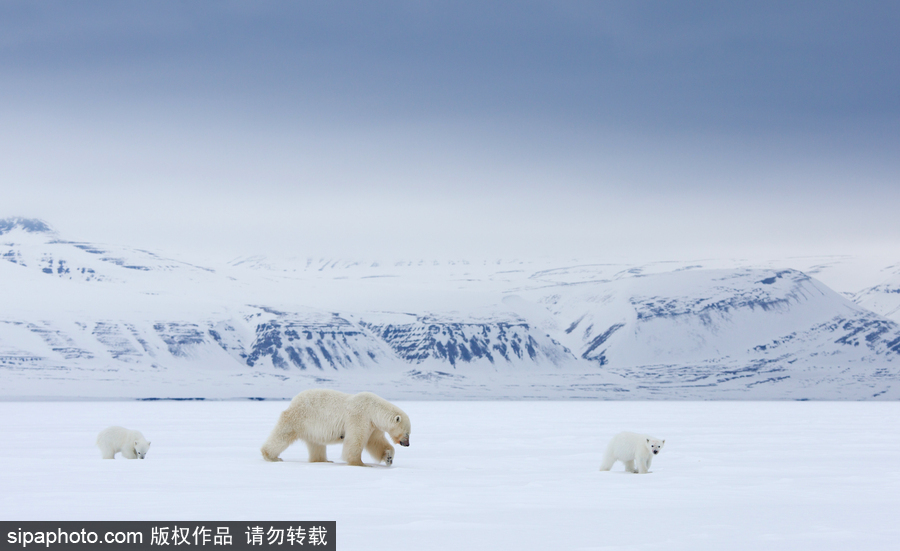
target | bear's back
x=629, y=444
x=113, y=435
x=324, y=407
x=320, y=397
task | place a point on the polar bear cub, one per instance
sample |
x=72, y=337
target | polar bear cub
x=322, y=416
x=636, y=451
x=131, y=443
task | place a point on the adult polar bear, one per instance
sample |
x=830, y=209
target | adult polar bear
x=631, y=448
x=320, y=417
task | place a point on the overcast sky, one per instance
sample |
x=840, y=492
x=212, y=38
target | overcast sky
x=453, y=129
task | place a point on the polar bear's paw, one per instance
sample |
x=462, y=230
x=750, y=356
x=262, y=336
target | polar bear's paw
x=388, y=458
x=269, y=457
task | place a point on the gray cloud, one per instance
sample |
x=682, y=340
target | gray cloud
x=446, y=128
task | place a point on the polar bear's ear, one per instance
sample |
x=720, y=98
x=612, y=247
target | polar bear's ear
x=397, y=419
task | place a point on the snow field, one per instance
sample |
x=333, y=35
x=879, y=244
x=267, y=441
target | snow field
x=483, y=475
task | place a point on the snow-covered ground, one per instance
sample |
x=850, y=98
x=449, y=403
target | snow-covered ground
x=483, y=475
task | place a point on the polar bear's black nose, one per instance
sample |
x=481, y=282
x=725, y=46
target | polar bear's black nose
x=655, y=452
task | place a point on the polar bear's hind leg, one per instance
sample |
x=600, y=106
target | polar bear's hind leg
x=281, y=437
x=107, y=452
x=317, y=453
x=609, y=459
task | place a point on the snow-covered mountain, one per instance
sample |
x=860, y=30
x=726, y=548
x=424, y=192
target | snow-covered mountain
x=883, y=298
x=90, y=320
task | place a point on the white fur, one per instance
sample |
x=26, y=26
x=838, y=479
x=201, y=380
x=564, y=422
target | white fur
x=131, y=443
x=320, y=417
x=636, y=451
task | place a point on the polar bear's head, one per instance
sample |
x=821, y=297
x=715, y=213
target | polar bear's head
x=655, y=445
x=141, y=447
x=399, y=428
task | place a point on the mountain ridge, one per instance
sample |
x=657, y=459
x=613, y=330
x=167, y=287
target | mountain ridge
x=454, y=329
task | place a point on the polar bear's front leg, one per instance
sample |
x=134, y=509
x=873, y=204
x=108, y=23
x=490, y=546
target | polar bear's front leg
x=629, y=466
x=379, y=448
x=643, y=465
x=354, y=439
